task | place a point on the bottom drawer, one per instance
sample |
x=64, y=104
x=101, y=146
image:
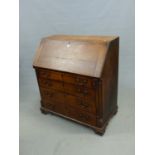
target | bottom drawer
x=80, y=115
x=70, y=112
x=54, y=106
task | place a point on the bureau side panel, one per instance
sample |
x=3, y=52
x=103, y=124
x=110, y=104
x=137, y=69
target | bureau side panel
x=110, y=80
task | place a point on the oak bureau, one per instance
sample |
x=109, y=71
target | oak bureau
x=77, y=78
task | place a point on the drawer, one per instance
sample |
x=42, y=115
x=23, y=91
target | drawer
x=52, y=95
x=48, y=74
x=54, y=106
x=81, y=102
x=80, y=115
x=78, y=80
x=46, y=83
x=79, y=91
x=69, y=111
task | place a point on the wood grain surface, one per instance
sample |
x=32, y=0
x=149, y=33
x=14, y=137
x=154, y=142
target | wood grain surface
x=78, y=78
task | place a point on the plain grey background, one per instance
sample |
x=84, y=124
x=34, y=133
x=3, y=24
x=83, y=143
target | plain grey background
x=50, y=135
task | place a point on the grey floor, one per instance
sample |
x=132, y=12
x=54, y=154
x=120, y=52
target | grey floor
x=51, y=135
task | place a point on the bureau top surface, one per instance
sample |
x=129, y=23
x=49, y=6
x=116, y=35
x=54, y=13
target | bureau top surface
x=83, y=55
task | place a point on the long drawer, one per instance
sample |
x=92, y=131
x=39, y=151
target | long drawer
x=70, y=111
x=54, y=106
x=52, y=95
x=79, y=90
x=67, y=88
x=66, y=77
x=78, y=80
x=80, y=115
x=84, y=103
x=51, y=84
x=53, y=75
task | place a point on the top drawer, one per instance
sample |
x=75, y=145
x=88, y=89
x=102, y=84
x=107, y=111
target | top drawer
x=53, y=75
x=66, y=77
x=78, y=80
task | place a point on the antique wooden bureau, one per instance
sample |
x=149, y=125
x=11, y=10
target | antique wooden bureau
x=77, y=78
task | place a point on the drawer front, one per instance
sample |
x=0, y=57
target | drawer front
x=66, y=77
x=79, y=91
x=52, y=95
x=81, y=102
x=70, y=112
x=53, y=75
x=46, y=83
x=54, y=106
x=78, y=80
x=80, y=115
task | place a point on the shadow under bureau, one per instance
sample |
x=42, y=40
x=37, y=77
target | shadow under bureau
x=77, y=78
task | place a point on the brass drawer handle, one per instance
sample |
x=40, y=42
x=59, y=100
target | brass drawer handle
x=82, y=90
x=81, y=81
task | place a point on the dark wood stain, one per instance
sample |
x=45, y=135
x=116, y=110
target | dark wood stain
x=78, y=78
